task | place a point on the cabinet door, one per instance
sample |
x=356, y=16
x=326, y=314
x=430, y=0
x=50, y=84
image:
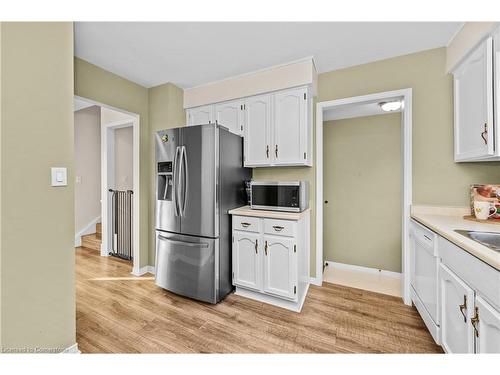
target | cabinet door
x=200, y=115
x=290, y=127
x=257, y=131
x=246, y=264
x=473, y=104
x=230, y=115
x=280, y=271
x=488, y=328
x=457, y=304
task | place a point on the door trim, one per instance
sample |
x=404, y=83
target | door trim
x=406, y=142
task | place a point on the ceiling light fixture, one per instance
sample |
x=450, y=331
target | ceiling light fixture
x=390, y=106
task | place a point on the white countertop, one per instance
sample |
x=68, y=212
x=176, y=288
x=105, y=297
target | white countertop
x=444, y=221
x=247, y=211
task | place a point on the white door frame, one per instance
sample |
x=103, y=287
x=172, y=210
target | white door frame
x=406, y=142
x=107, y=145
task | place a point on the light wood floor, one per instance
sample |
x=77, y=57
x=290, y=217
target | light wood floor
x=120, y=313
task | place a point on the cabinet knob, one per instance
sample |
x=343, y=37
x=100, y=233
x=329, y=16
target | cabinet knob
x=256, y=246
x=267, y=151
x=276, y=150
x=265, y=248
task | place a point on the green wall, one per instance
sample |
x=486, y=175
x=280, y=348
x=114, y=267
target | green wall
x=158, y=107
x=165, y=111
x=37, y=220
x=437, y=179
x=94, y=83
x=363, y=187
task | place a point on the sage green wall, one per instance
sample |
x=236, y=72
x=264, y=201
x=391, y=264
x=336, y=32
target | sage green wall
x=362, y=184
x=159, y=107
x=94, y=83
x=437, y=179
x=37, y=220
x=165, y=111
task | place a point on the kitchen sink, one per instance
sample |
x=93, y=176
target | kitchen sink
x=488, y=239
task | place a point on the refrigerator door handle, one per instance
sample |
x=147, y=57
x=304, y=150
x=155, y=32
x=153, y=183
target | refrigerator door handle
x=175, y=182
x=183, y=243
x=184, y=166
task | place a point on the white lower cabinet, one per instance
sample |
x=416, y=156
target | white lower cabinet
x=271, y=259
x=457, y=306
x=280, y=277
x=487, y=323
x=246, y=265
x=467, y=317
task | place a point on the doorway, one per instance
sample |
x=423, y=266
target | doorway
x=358, y=107
x=119, y=182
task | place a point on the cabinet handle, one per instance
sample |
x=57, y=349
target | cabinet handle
x=484, y=134
x=267, y=151
x=276, y=150
x=256, y=246
x=265, y=248
x=464, y=307
x=245, y=225
x=474, y=320
x=278, y=228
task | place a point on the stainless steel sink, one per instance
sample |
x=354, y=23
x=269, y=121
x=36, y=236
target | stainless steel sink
x=488, y=239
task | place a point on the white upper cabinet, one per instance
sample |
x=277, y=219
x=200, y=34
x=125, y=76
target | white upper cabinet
x=200, y=115
x=257, y=146
x=277, y=126
x=457, y=305
x=231, y=115
x=290, y=126
x=474, y=106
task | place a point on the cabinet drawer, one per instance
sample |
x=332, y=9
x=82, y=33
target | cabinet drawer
x=280, y=227
x=246, y=223
x=424, y=236
x=484, y=279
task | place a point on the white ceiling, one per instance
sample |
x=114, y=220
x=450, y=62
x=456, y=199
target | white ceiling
x=190, y=54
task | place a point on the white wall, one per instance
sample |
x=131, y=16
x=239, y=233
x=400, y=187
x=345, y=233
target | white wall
x=124, y=158
x=87, y=166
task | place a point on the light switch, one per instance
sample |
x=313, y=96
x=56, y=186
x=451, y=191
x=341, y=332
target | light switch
x=59, y=176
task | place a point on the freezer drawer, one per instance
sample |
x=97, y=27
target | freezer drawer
x=186, y=265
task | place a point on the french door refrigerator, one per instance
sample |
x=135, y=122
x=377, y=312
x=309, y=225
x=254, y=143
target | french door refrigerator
x=200, y=176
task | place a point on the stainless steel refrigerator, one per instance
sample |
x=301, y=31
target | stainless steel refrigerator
x=200, y=176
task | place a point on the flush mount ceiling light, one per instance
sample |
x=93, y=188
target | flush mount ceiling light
x=390, y=106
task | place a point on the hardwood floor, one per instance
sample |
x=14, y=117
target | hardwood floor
x=120, y=313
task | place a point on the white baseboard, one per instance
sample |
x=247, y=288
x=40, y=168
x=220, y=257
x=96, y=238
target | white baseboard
x=73, y=349
x=88, y=229
x=143, y=270
x=362, y=269
x=275, y=301
x=316, y=281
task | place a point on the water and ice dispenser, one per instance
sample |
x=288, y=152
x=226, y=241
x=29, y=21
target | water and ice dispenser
x=165, y=181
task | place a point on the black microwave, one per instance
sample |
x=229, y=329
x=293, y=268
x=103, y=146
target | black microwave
x=279, y=196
